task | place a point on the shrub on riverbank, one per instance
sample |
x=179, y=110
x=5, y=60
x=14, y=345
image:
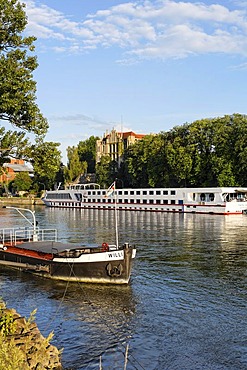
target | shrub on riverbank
x=21, y=344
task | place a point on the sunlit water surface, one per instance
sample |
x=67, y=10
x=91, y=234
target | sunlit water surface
x=185, y=307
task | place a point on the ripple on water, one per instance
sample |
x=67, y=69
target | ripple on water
x=184, y=309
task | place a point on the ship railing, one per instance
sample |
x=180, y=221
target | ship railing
x=13, y=236
x=47, y=234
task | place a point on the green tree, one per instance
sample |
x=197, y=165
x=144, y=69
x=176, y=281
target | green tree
x=46, y=160
x=103, y=172
x=17, y=87
x=212, y=155
x=75, y=168
x=156, y=160
x=208, y=152
x=136, y=164
x=87, y=152
x=221, y=158
x=60, y=175
x=144, y=162
x=238, y=147
x=180, y=162
x=12, y=144
x=22, y=182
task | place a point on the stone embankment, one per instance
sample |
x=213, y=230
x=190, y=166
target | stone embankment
x=22, y=346
x=20, y=201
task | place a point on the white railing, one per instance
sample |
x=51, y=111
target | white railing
x=26, y=234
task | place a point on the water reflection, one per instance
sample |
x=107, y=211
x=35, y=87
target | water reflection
x=88, y=320
x=184, y=309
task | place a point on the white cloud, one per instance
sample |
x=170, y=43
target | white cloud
x=79, y=120
x=145, y=29
x=242, y=66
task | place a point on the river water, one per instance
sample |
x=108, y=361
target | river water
x=185, y=307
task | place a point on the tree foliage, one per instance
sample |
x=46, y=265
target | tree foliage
x=46, y=160
x=12, y=144
x=87, y=152
x=103, y=172
x=17, y=87
x=22, y=182
x=208, y=152
x=75, y=168
x=18, y=98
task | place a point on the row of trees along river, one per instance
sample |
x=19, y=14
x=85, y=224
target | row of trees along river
x=207, y=152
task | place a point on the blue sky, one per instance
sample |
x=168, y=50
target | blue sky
x=144, y=66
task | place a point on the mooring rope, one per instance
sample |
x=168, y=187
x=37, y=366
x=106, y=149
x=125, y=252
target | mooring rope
x=104, y=321
x=98, y=315
x=62, y=300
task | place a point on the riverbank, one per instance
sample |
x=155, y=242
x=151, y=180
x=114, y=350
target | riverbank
x=20, y=200
x=22, y=346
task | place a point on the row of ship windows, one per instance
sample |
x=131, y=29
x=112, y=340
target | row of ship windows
x=129, y=201
x=137, y=201
x=67, y=205
x=79, y=196
x=119, y=192
x=136, y=192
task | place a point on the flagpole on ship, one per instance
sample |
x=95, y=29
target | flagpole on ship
x=112, y=190
x=116, y=218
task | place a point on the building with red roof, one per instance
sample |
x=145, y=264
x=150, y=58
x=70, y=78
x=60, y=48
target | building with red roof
x=11, y=169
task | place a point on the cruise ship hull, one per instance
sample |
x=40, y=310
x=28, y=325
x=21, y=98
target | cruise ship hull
x=222, y=201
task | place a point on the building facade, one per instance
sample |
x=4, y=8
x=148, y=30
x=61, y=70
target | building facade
x=114, y=143
x=11, y=169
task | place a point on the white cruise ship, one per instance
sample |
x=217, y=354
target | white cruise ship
x=218, y=200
